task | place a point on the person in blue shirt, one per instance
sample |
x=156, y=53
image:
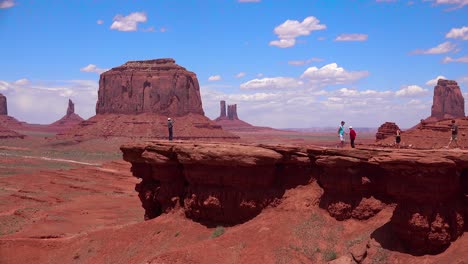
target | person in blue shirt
x=341, y=134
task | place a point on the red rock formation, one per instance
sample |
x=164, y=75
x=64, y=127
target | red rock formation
x=448, y=101
x=231, y=183
x=68, y=121
x=3, y=105
x=222, y=109
x=231, y=121
x=387, y=129
x=71, y=107
x=232, y=112
x=8, y=133
x=152, y=86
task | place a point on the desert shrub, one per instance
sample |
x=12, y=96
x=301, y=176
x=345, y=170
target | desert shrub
x=217, y=232
x=329, y=255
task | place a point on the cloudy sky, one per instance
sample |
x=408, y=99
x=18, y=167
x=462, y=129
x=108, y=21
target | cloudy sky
x=301, y=63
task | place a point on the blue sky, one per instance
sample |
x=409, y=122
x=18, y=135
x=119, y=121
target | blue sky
x=284, y=63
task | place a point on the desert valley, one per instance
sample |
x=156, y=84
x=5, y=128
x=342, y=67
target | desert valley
x=170, y=167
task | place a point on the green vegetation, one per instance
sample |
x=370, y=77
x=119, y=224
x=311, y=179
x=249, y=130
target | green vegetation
x=329, y=255
x=217, y=232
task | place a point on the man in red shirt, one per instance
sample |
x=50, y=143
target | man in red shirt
x=352, y=135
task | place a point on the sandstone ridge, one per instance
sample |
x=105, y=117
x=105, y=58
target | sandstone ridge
x=228, y=183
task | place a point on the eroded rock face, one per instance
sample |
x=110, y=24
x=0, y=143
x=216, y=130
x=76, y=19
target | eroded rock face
x=3, y=105
x=71, y=107
x=224, y=183
x=151, y=86
x=448, y=101
x=387, y=129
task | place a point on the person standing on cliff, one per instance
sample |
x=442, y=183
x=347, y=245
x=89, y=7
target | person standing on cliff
x=352, y=136
x=454, y=137
x=170, y=123
x=341, y=134
x=398, y=138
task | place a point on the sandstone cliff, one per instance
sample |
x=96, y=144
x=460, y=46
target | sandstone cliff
x=448, y=101
x=231, y=183
x=152, y=86
x=8, y=133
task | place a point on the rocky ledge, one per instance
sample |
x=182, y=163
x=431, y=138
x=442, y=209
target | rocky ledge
x=230, y=183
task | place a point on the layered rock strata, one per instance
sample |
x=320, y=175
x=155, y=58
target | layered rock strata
x=222, y=183
x=152, y=86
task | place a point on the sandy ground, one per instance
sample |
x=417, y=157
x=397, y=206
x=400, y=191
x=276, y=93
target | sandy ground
x=74, y=202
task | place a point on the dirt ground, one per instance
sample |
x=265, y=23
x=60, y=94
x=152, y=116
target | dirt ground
x=74, y=202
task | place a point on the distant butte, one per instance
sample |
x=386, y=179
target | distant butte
x=448, y=101
x=230, y=120
x=68, y=121
x=3, y=105
x=136, y=98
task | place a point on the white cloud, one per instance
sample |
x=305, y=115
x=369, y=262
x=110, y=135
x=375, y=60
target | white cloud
x=352, y=37
x=7, y=4
x=162, y=29
x=331, y=74
x=448, y=59
x=259, y=75
x=303, y=62
x=461, y=33
x=214, y=78
x=457, y=3
x=93, y=68
x=433, y=82
x=440, y=49
x=23, y=81
x=128, y=23
x=100, y=22
x=463, y=79
x=304, y=107
x=291, y=29
x=283, y=43
x=24, y=104
x=272, y=83
x=411, y=90
x=240, y=75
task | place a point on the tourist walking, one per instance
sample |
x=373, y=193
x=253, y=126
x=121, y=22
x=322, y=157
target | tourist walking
x=352, y=136
x=170, y=124
x=454, y=137
x=398, y=138
x=341, y=134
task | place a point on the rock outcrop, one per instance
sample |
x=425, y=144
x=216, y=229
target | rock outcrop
x=135, y=100
x=68, y=121
x=152, y=86
x=231, y=121
x=8, y=133
x=71, y=108
x=387, y=129
x=222, y=183
x=3, y=105
x=448, y=101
